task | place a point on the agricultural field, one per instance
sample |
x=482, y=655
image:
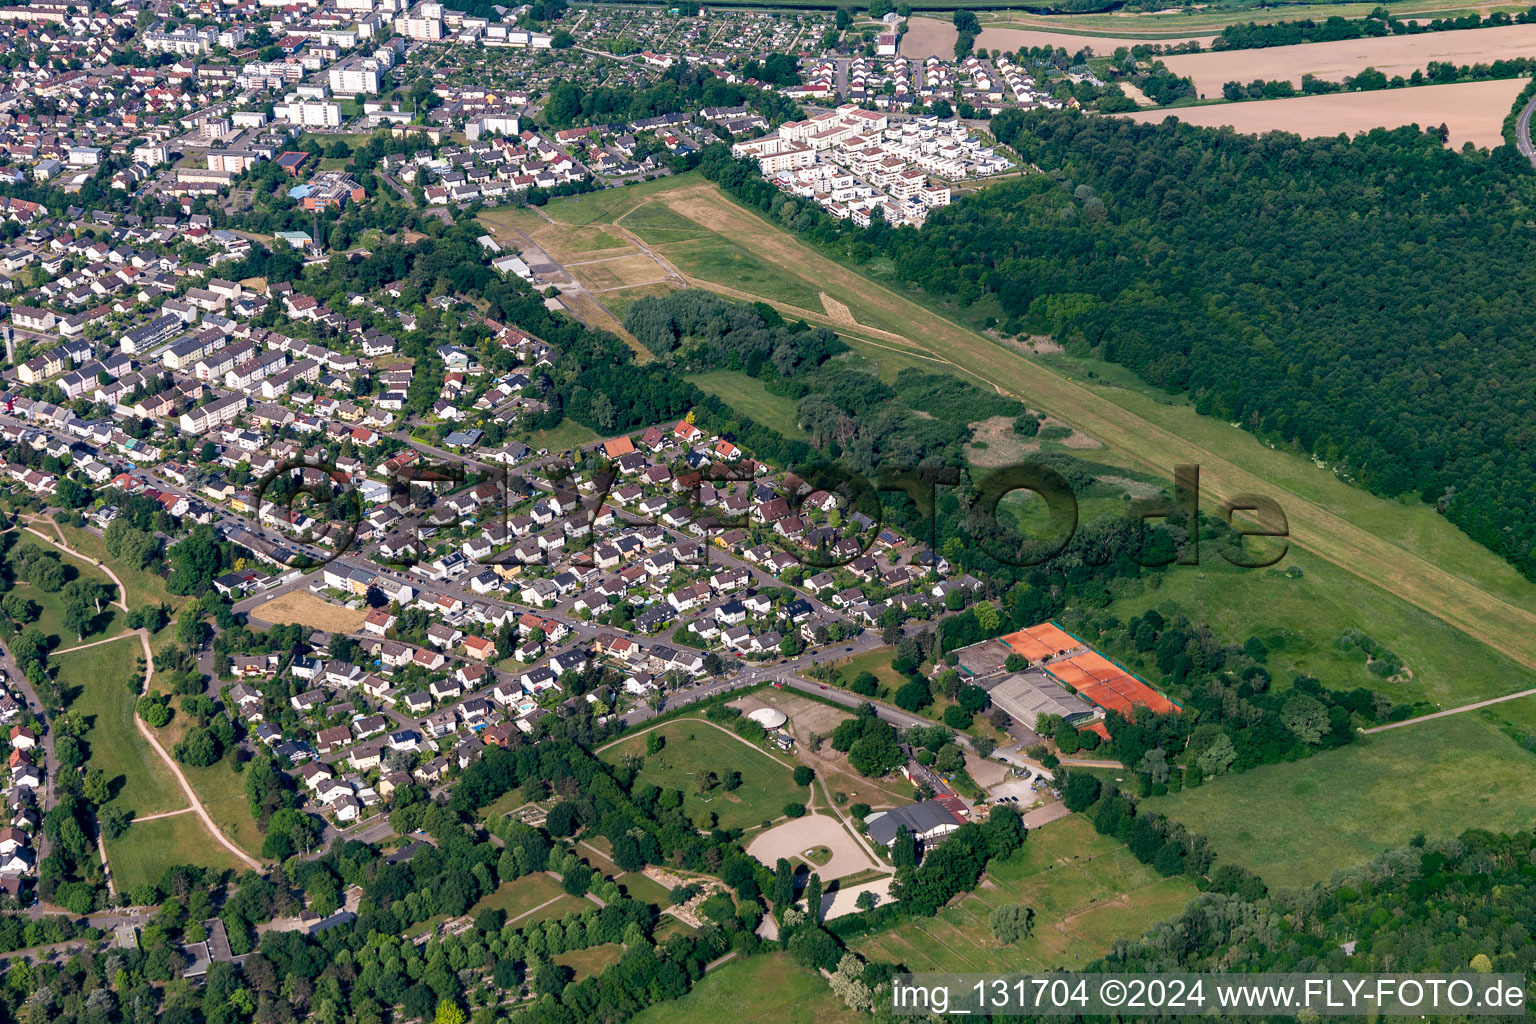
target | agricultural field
x=101, y=683
x=141, y=855
x=750, y=396
x=1472, y=111
x=1294, y=823
x=693, y=746
x=1335, y=61
x=306, y=609
x=1086, y=890
x=765, y=989
x=1176, y=23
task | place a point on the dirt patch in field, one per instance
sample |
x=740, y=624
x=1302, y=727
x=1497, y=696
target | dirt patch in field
x=618, y=272
x=1473, y=112
x=304, y=608
x=838, y=311
x=929, y=37
x=1003, y=446
x=1335, y=61
x=793, y=839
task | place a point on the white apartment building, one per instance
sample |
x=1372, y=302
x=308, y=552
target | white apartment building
x=309, y=113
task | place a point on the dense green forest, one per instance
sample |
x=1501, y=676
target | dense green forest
x=1362, y=300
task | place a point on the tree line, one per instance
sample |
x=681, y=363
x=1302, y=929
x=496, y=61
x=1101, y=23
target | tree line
x=1380, y=22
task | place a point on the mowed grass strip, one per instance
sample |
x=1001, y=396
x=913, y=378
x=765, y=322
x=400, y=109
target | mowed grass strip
x=1294, y=823
x=1477, y=598
x=717, y=259
x=768, y=988
x=694, y=746
x=1075, y=881
x=102, y=683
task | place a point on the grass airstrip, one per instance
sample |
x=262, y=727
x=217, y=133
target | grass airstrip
x=1461, y=618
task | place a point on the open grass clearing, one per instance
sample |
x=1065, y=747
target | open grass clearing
x=717, y=260
x=694, y=746
x=306, y=609
x=520, y=895
x=568, y=434
x=639, y=887
x=656, y=223
x=102, y=683
x=222, y=793
x=503, y=805
x=142, y=854
x=751, y=396
x=768, y=988
x=876, y=662
x=608, y=205
x=669, y=926
x=1086, y=891
x=1294, y=823
x=590, y=961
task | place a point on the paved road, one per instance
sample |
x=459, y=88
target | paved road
x=1523, y=132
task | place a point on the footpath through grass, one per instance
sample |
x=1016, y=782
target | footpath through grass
x=142, y=854
x=101, y=683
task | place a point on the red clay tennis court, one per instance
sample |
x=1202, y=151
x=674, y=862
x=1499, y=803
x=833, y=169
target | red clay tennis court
x=1037, y=643
x=1109, y=686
